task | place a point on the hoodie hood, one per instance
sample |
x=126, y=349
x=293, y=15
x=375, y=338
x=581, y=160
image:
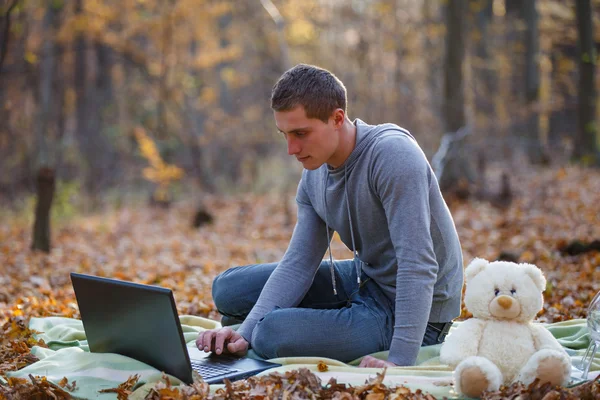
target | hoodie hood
x=365, y=136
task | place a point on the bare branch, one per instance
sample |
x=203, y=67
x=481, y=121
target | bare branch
x=273, y=12
x=5, y=33
x=280, y=25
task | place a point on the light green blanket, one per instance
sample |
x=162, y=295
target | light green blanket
x=68, y=356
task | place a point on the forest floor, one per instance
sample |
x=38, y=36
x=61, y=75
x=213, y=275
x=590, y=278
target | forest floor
x=553, y=214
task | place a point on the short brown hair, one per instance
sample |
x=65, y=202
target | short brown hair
x=319, y=91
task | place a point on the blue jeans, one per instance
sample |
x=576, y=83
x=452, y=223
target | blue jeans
x=356, y=322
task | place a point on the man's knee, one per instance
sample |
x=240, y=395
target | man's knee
x=222, y=290
x=270, y=339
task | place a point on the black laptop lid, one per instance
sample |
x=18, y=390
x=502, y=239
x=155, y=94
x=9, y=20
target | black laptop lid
x=138, y=321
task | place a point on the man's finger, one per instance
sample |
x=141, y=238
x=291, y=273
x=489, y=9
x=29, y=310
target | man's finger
x=364, y=362
x=200, y=341
x=221, y=337
x=207, y=339
x=370, y=362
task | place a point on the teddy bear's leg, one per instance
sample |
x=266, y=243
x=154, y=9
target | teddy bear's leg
x=474, y=375
x=548, y=365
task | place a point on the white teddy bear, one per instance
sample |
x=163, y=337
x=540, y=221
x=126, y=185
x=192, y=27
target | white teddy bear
x=500, y=344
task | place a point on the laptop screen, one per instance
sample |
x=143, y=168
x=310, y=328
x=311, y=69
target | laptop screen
x=134, y=320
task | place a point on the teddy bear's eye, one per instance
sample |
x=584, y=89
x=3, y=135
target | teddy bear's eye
x=496, y=292
x=513, y=291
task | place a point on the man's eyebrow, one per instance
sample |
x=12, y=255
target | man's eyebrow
x=296, y=130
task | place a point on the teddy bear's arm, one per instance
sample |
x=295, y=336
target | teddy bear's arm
x=543, y=339
x=462, y=342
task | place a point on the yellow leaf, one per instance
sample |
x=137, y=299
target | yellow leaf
x=31, y=58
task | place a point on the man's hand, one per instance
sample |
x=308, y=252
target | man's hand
x=224, y=340
x=372, y=362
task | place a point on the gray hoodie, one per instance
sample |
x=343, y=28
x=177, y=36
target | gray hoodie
x=385, y=203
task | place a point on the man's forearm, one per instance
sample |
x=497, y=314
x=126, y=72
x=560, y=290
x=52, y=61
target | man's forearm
x=288, y=284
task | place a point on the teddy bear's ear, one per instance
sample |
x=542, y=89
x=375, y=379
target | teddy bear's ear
x=475, y=267
x=536, y=275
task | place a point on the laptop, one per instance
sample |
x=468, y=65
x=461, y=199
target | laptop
x=141, y=322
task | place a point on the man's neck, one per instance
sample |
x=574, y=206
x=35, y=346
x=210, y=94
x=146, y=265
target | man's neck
x=346, y=145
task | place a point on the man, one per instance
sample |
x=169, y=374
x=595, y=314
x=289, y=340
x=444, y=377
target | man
x=374, y=186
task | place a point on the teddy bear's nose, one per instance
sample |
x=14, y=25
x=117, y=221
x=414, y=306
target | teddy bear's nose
x=505, y=302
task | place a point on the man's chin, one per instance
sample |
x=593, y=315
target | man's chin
x=311, y=165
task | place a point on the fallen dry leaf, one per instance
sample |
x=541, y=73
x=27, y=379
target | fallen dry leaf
x=322, y=367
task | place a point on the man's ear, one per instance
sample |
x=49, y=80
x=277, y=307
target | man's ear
x=339, y=116
x=475, y=267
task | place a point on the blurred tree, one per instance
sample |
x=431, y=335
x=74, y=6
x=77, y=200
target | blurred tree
x=484, y=74
x=197, y=75
x=47, y=109
x=279, y=21
x=559, y=88
x=47, y=106
x=452, y=160
x=89, y=119
x=45, y=194
x=587, y=142
x=5, y=30
x=454, y=87
x=535, y=149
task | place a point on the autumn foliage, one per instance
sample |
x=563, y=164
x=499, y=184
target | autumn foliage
x=551, y=209
x=159, y=172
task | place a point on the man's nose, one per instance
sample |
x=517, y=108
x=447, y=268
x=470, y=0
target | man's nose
x=293, y=145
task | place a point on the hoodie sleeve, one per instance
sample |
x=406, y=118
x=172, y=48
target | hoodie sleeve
x=290, y=281
x=402, y=177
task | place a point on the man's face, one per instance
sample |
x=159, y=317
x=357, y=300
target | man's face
x=312, y=141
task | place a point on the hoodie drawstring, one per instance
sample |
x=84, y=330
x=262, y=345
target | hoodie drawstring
x=354, y=252
x=357, y=265
x=331, y=269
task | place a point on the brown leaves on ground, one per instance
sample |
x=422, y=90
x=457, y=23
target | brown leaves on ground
x=551, y=208
x=64, y=383
x=35, y=388
x=198, y=390
x=124, y=389
x=374, y=389
x=296, y=384
x=545, y=391
x=15, y=345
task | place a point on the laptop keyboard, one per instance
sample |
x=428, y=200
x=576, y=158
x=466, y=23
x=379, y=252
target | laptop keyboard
x=210, y=371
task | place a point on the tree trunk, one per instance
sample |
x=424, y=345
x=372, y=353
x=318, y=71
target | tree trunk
x=535, y=150
x=47, y=102
x=225, y=98
x=81, y=109
x=454, y=91
x=92, y=144
x=102, y=114
x=484, y=75
x=166, y=41
x=586, y=141
x=451, y=161
x=563, y=109
x=5, y=32
x=45, y=194
x=194, y=124
x=514, y=7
